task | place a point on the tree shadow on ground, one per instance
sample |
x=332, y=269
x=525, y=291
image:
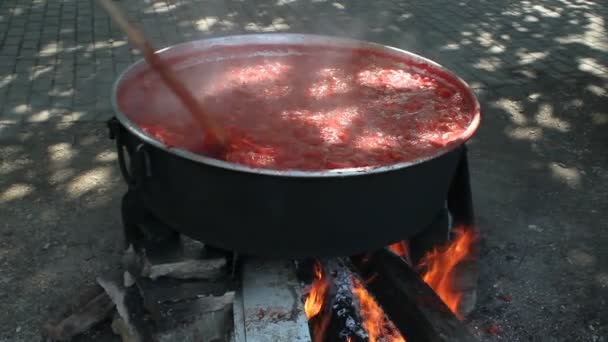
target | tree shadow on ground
x=539, y=163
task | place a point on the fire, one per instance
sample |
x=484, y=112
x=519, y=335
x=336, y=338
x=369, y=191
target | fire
x=400, y=248
x=440, y=262
x=373, y=317
x=314, y=301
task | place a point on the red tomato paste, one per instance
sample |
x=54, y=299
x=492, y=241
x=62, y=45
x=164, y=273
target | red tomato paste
x=305, y=107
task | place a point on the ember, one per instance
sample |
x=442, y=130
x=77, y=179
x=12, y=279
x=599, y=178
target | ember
x=439, y=263
x=400, y=248
x=378, y=328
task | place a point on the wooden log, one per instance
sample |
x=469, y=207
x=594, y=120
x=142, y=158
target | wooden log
x=130, y=309
x=187, y=269
x=464, y=275
x=439, y=234
x=210, y=326
x=167, y=290
x=339, y=318
x=186, y=312
x=137, y=263
x=201, y=319
x=119, y=327
x=345, y=320
x=413, y=307
x=82, y=319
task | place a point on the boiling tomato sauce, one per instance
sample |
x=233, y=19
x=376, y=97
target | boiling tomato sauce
x=305, y=107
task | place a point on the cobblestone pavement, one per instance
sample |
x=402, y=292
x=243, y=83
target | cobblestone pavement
x=540, y=171
x=58, y=59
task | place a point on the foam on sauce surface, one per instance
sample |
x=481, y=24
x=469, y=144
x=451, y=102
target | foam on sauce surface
x=305, y=107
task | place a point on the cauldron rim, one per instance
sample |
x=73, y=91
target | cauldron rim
x=293, y=39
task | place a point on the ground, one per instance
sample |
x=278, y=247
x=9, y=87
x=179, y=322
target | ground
x=539, y=162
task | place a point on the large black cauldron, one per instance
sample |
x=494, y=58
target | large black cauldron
x=284, y=213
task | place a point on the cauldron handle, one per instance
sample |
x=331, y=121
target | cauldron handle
x=139, y=161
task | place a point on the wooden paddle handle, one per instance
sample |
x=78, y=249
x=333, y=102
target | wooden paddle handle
x=214, y=135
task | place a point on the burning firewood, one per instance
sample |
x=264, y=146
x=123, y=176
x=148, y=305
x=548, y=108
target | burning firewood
x=346, y=316
x=341, y=314
x=378, y=326
x=412, y=305
x=449, y=265
x=451, y=271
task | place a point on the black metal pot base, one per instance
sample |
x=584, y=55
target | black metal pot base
x=286, y=216
x=291, y=217
x=143, y=230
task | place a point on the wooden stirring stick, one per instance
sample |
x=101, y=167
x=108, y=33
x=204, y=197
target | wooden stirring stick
x=214, y=135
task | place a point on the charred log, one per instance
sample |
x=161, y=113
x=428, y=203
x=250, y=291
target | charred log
x=413, y=307
x=339, y=317
x=345, y=319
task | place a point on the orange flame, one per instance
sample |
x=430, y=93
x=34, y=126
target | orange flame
x=440, y=262
x=373, y=317
x=314, y=301
x=400, y=248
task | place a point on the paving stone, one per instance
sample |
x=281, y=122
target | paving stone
x=423, y=27
x=9, y=130
x=3, y=95
x=83, y=71
x=15, y=112
x=18, y=94
x=120, y=67
x=29, y=44
x=27, y=53
x=39, y=99
x=84, y=58
x=12, y=40
x=6, y=62
x=9, y=50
